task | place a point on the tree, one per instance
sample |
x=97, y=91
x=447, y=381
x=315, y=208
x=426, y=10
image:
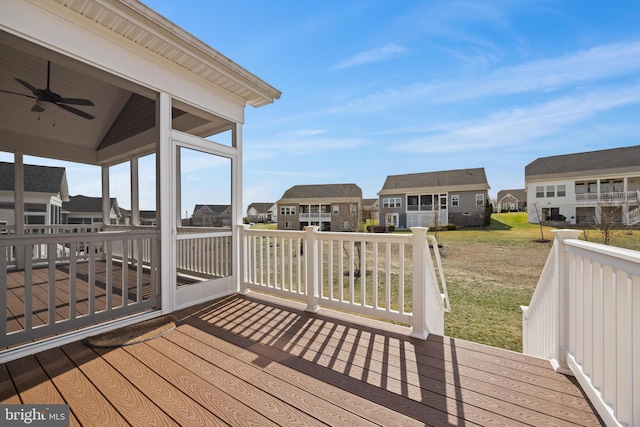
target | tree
x=608, y=217
x=535, y=207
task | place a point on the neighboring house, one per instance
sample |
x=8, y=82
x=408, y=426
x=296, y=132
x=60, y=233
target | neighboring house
x=262, y=212
x=424, y=199
x=88, y=210
x=45, y=190
x=370, y=209
x=587, y=187
x=512, y=201
x=211, y=216
x=145, y=217
x=332, y=207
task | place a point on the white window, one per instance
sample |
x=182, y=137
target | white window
x=540, y=191
x=455, y=200
x=391, y=202
x=287, y=210
x=353, y=209
x=551, y=191
x=345, y=225
x=479, y=199
x=562, y=190
x=336, y=210
x=443, y=201
x=392, y=219
x=287, y=225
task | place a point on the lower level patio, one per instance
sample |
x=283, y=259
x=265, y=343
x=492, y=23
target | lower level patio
x=258, y=360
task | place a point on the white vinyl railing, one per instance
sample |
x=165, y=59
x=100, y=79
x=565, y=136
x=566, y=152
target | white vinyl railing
x=585, y=317
x=76, y=287
x=200, y=251
x=396, y=277
x=612, y=196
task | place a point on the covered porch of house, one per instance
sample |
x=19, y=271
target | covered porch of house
x=137, y=95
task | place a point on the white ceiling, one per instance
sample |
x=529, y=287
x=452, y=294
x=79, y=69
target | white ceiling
x=57, y=133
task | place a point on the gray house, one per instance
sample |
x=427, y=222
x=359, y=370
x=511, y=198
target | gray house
x=430, y=198
x=332, y=207
x=512, y=200
x=88, y=210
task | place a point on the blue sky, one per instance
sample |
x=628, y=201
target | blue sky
x=375, y=88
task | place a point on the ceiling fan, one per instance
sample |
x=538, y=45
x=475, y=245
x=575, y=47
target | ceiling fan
x=46, y=95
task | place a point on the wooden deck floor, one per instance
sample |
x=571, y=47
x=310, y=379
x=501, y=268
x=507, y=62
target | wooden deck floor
x=254, y=360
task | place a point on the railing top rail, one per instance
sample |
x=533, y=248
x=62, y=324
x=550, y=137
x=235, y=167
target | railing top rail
x=284, y=233
x=21, y=239
x=204, y=235
x=370, y=237
x=605, y=250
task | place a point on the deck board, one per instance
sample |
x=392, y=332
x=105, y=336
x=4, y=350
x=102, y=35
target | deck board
x=256, y=360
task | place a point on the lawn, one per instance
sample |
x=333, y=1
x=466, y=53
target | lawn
x=490, y=273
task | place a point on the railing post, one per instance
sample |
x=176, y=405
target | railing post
x=243, y=286
x=311, y=268
x=563, y=308
x=419, y=328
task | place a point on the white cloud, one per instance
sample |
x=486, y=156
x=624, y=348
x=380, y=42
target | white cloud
x=384, y=53
x=598, y=64
x=521, y=126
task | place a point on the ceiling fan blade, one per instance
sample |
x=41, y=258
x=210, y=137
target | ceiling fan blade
x=76, y=101
x=27, y=85
x=16, y=93
x=76, y=111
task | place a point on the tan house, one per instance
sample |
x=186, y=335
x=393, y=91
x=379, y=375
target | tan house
x=512, y=200
x=211, y=216
x=332, y=207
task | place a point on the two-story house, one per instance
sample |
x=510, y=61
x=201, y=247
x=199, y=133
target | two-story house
x=512, y=200
x=262, y=212
x=434, y=198
x=588, y=187
x=332, y=207
x=45, y=190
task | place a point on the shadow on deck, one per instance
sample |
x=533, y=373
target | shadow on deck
x=257, y=360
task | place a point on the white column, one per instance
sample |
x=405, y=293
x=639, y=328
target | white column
x=134, y=180
x=18, y=204
x=165, y=184
x=106, y=199
x=237, y=202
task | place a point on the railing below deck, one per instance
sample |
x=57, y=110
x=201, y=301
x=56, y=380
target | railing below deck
x=77, y=286
x=396, y=277
x=585, y=317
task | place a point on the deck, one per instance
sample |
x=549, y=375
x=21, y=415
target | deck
x=256, y=360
